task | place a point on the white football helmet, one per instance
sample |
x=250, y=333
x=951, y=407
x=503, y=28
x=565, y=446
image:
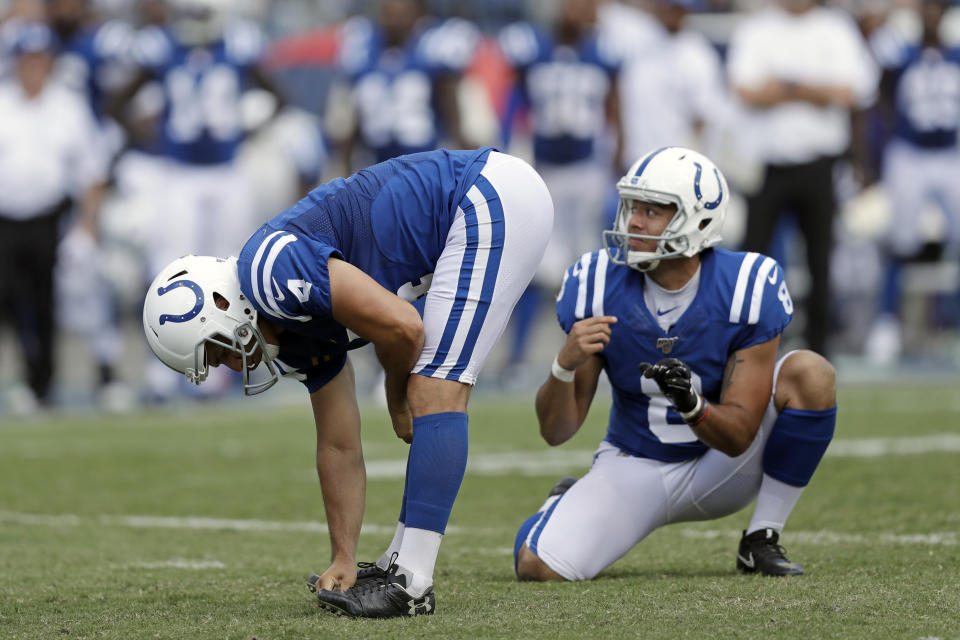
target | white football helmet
x=678, y=176
x=180, y=315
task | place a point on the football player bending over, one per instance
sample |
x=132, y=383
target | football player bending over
x=466, y=229
x=705, y=417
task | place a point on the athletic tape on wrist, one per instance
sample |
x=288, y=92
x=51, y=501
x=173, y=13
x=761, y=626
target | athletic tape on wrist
x=694, y=414
x=561, y=374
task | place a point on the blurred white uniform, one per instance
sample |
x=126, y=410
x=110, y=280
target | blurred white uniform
x=669, y=83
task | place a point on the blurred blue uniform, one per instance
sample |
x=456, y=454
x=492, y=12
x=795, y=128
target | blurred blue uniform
x=96, y=61
x=202, y=122
x=565, y=87
x=394, y=88
x=922, y=160
x=742, y=301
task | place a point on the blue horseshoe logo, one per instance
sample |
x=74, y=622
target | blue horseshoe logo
x=696, y=187
x=189, y=315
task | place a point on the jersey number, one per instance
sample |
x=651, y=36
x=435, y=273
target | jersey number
x=657, y=413
x=411, y=292
x=396, y=110
x=209, y=102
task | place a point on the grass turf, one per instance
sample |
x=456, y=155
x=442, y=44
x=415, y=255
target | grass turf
x=75, y=563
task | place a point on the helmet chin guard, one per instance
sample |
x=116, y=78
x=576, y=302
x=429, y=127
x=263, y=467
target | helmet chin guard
x=181, y=316
x=670, y=176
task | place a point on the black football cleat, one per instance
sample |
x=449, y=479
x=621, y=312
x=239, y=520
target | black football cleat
x=378, y=598
x=562, y=485
x=366, y=572
x=760, y=553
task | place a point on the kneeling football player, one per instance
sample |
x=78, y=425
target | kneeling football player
x=705, y=417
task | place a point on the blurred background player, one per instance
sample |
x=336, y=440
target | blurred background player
x=93, y=60
x=567, y=80
x=799, y=70
x=715, y=423
x=403, y=73
x=672, y=86
x=50, y=157
x=920, y=95
x=203, y=63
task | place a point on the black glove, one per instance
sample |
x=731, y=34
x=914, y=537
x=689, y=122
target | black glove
x=673, y=377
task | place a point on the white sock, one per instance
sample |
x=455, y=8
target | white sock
x=774, y=504
x=418, y=556
x=384, y=561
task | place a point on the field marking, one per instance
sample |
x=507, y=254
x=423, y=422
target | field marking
x=177, y=563
x=530, y=463
x=945, y=538
x=185, y=522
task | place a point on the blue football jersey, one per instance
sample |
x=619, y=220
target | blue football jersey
x=927, y=95
x=565, y=87
x=390, y=221
x=96, y=61
x=742, y=301
x=394, y=87
x=202, y=121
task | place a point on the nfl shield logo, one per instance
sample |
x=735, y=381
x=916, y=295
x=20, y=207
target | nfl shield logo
x=665, y=345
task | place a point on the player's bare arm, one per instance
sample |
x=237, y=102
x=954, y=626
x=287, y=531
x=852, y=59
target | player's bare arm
x=393, y=326
x=562, y=406
x=342, y=475
x=731, y=424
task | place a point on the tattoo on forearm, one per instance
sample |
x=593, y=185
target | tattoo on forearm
x=728, y=376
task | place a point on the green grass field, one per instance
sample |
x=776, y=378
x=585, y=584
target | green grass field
x=204, y=522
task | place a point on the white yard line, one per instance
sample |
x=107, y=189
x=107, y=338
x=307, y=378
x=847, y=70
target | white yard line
x=528, y=463
x=176, y=563
x=944, y=538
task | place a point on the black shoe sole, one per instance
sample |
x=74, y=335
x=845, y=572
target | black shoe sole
x=337, y=611
x=750, y=571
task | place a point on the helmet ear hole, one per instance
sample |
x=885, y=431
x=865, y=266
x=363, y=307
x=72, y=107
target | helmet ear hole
x=222, y=303
x=703, y=223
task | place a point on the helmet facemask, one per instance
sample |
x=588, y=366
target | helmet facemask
x=196, y=302
x=670, y=244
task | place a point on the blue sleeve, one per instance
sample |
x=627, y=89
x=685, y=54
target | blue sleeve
x=766, y=308
x=152, y=49
x=449, y=47
x=289, y=276
x=582, y=290
x=244, y=43
x=359, y=42
x=520, y=44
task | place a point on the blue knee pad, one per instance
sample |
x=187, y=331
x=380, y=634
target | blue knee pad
x=435, y=468
x=797, y=443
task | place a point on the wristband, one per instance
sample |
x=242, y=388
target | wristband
x=698, y=413
x=561, y=374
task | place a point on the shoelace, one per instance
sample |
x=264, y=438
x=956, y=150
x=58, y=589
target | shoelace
x=389, y=577
x=370, y=567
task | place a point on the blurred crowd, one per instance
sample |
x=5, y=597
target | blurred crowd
x=132, y=132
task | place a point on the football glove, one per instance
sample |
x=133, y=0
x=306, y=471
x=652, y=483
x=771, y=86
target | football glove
x=673, y=377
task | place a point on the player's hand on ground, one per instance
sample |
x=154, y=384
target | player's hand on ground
x=339, y=575
x=673, y=377
x=402, y=423
x=586, y=337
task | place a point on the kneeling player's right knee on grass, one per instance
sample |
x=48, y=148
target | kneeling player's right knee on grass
x=530, y=567
x=806, y=380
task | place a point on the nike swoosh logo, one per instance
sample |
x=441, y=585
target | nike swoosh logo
x=663, y=313
x=749, y=563
x=772, y=278
x=278, y=295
